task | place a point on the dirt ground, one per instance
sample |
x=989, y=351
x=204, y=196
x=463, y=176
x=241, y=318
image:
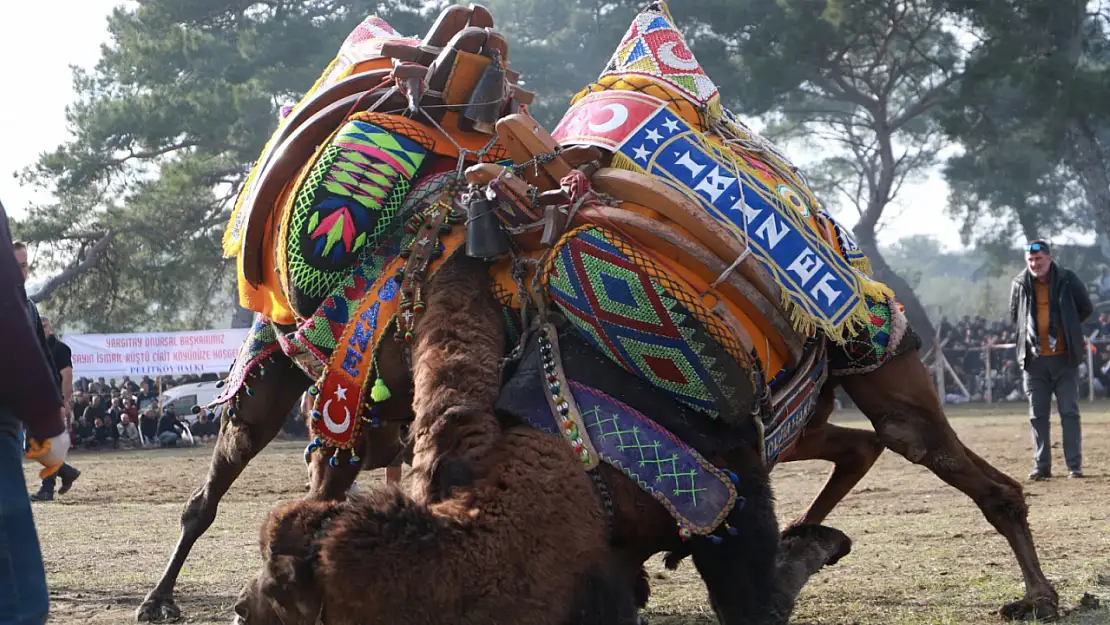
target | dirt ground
x=922, y=551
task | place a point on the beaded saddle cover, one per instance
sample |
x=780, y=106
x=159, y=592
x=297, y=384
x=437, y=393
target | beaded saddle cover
x=357, y=210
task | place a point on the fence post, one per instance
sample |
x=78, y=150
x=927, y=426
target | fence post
x=990, y=382
x=1090, y=372
x=938, y=362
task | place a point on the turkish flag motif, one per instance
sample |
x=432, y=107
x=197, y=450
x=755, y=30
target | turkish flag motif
x=606, y=118
x=669, y=50
x=338, y=406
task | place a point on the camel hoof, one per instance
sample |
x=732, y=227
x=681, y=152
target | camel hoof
x=1041, y=609
x=156, y=609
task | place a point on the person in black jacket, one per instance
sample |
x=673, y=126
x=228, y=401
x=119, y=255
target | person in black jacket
x=1049, y=304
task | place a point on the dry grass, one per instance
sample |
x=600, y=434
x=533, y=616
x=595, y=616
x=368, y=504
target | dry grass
x=922, y=553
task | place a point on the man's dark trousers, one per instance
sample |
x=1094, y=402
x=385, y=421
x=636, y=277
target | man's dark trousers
x=66, y=472
x=1044, y=377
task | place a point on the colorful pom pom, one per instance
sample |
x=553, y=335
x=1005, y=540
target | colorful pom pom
x=380, y=392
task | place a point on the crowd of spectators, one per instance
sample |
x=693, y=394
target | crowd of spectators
x=966, y=340
x=108, y=413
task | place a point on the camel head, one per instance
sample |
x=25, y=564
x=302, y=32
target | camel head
x=285, y=590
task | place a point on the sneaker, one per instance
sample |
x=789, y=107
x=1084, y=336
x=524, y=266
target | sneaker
x=1075, y=474
x=66, y=484
x=1038, y=475
x=42, y=495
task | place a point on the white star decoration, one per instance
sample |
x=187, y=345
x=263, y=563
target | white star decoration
x=653, y=135
x=340, y=393
x=671, y=125
x=641, y=153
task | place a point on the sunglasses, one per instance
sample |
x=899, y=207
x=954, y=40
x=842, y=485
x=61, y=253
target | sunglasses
x=1035, y=247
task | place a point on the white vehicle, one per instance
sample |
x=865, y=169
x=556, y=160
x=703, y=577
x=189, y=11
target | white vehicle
x=186, y=396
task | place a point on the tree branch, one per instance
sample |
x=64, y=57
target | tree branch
x=78, y=267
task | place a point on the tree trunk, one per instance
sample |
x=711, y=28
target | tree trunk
x=915, y=311
x=242, y=317
x=1091, y=167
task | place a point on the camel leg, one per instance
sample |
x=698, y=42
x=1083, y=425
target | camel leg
x=901, y=402
x=241, y=437
x=740, y=572
x=381, y=446
x=852, y=452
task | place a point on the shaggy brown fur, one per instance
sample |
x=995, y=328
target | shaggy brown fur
x=524, y=543
x=456, y=364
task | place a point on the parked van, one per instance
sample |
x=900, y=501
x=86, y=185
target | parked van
x=186, y=396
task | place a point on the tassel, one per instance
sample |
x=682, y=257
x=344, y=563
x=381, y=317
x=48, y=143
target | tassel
x=379, y=392
x=334, y=460
x=313, y=446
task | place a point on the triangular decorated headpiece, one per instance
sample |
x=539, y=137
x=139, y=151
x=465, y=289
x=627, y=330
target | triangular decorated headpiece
x=654, y=50
x=362, y=45
x=365, y=43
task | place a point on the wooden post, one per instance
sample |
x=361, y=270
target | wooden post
x=938, y=361
x=987, y=361
x=925, y=356
x=955, y=377
x=1090, y=371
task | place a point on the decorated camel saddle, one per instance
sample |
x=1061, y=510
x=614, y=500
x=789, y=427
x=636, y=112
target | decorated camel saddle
x=680, y=261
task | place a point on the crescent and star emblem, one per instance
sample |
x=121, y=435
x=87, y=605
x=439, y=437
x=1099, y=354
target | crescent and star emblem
x=618, y=115
x=337, y=428
x=668, y=56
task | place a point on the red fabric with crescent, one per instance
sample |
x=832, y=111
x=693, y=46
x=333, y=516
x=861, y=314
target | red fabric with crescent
x=606, y=118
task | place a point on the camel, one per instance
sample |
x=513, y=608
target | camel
x=897, y=397
x=311, y=569
x=499, y=515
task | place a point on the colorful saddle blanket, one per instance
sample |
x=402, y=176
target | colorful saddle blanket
x=657, y=112
x=666, y=458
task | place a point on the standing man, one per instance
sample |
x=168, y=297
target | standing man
x=62, y=356
x=29, y=395
x=1049, y=304
x=67, y=472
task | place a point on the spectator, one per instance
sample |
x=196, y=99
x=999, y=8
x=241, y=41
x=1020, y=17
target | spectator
x=205, y=429
x=84, y=434
x=1104, y=284
x=1049, y=304
x=148, y=425
x=169, y=428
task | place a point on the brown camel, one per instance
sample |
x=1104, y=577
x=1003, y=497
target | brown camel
x=483, y=499
x=514, y=546
x=326, y=559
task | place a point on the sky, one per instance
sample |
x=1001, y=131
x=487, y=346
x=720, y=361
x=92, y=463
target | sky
x=70, y=32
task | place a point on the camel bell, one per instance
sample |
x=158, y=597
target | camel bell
x=486, y=100
x=484, y=237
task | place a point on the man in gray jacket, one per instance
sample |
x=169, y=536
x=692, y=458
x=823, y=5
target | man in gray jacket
x=1049, y=304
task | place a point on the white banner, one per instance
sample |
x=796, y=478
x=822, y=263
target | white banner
x=164, y=353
